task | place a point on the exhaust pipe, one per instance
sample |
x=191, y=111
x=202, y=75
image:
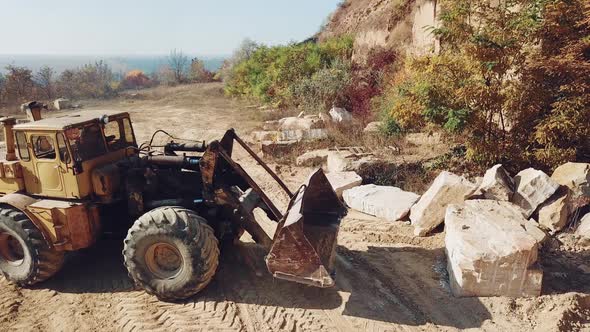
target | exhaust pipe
x=8, y=123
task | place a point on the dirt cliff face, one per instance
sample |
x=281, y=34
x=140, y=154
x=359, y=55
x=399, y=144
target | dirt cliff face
x=401, y=24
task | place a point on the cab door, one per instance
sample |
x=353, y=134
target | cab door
x=49, y=170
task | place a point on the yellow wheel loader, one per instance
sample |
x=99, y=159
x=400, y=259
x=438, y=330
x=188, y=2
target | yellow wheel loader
x=66, y=179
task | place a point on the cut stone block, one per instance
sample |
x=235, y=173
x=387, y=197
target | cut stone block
x=341, y=161
x=575, y=176
x=295, y=123
x=313, y=158
x=446, y=189
x=62, y=104
x=266, y=135
x=389, y=203
x=491, y=250
x=532, y=188
x=271, y=125
x=496, y=184
x=554, y=213
x=584, y=226
x=342, y=181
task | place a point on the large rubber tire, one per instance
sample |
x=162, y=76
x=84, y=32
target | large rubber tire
x=25, y=257
x=171, y=252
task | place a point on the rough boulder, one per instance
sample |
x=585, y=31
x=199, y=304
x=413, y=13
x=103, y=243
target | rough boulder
x=532, y=188
x=446, y=189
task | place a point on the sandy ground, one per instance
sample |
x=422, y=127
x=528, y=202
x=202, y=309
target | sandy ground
x=387, y=280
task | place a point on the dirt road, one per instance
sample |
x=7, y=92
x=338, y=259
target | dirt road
x=387, y=280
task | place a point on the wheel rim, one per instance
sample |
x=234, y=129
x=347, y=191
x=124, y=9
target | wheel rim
x=164, y=260
x=11, y=249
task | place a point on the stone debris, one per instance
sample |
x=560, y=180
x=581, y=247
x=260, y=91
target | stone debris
x=342, y=181
x=491, y=250
x=340, y=115
x=373, y=127
x=496, y=184
x=342, y=160
x=575, y=176
x=446, y=189
x=389, y=203
x=62, y=104
x=554, y=213
x=313, y=158
x=532, y=188
x=584, y=226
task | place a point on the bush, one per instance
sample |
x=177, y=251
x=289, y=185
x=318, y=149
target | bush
x=269, y=74
x=135, y=79
x=514, y=85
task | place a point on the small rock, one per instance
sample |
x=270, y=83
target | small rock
x=340, y=115
x=342, y=181
x=497, y=184
x=496, y=254
x=313, y=158
x=532, y=188
x=295, y=123
x=446, y=189
x=575, y=176
x=373, y=127
x=389, y=203
x=554, y=213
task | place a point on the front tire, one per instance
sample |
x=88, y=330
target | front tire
x=25, y=257
x=171, y=252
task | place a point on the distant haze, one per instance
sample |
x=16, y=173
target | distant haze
x=119, y=64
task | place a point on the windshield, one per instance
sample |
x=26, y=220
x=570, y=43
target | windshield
x=86, y=142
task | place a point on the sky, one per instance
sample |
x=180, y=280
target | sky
x=153, y=27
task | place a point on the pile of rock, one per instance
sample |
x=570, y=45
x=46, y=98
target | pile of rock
x=492, y=229
x=284, y=133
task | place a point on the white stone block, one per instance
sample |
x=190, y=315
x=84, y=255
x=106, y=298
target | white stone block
x=389, y=203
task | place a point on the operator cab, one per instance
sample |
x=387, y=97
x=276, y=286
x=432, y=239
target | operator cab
x=58, y=154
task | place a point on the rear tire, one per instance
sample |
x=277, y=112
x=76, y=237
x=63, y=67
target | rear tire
x=25, y=257
x=171, y=252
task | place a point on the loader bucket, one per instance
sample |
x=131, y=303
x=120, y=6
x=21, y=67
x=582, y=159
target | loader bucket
x=304, y=244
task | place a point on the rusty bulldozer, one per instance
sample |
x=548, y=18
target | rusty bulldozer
x=65, y=179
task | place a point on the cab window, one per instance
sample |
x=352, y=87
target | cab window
x=21, y=143
x=64, y=155
x=43, y=146
x=86, y=142
x=118, y=134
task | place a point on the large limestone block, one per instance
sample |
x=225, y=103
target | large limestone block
x=389, y=203
x=446, y=189
x=340, y=161
x=491, y=250
x=554, y=213
x=584, y=227
x=497, y=184
x=313, y=158
x=62, y=104
x=342, y=181
x=295, y=123
x=532, y=188
x=575, y=176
